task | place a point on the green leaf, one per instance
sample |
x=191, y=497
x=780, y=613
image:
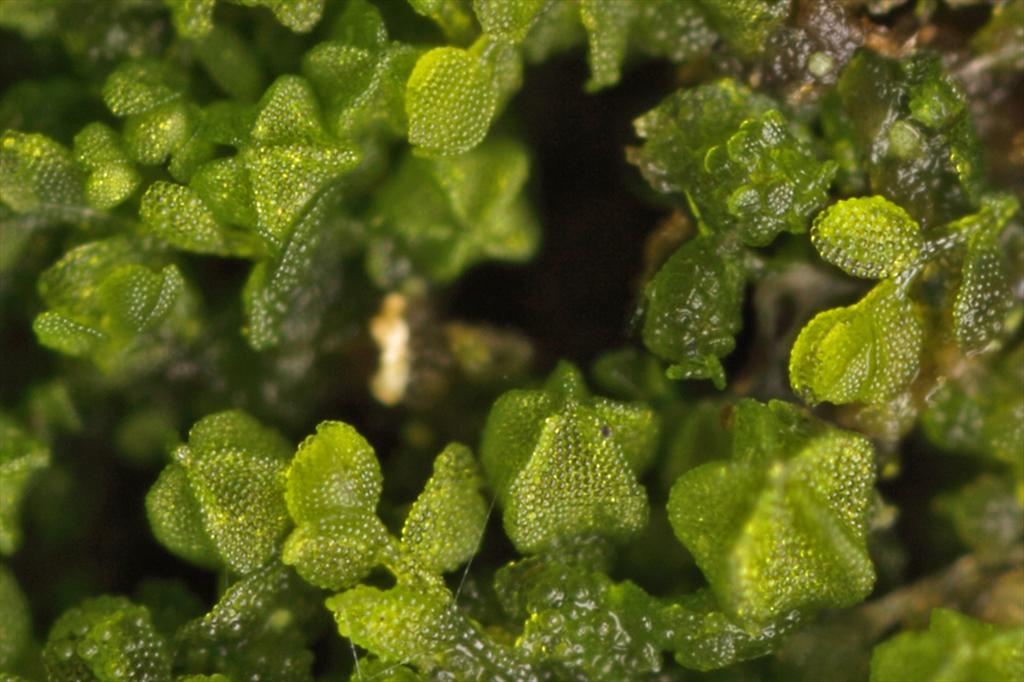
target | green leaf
x=155, y=135
x=116, y=302
x=360, y=24
x=287, y=295
x=405, y=624
x=15, y=621
x=868, y=352
x=363, y=88
x=675, y=30
x=504, y=61
x=139, y=86
x=782, y=526
x=867, y=237
x=446, y=522
x=233, y=469
x=226, y=193
x=578, y=623
x=703, y=637
x=556, y=30
x=371, y=668
x=38, y=175
x=444, y=215
x=986, y=514
x=194, y=18
x=911, y=132
x=740, y=164
x=694, y=309
x=21, y=458
x=138, y=299
x=106, y=639
x=955, y=647
x=984, y=298
x=333, y=487
x=563, y=463
x=258, y=629
x=510, y=19
x=64, y=335
x=112, y=177
x=607, y=23
x=176, y=214
x=453, y=16
x=231, y=64
x=292, y=158
x=746, y=25
x=177, y=520
x=450, y=101
x=981, y=412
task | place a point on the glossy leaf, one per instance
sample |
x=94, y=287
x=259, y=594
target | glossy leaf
x=580, y=623
x=291, y=158
x=114, y=302
x=739, y=163
x=509, y=19
x=258, y=628
x=607, y=24
x=112, y=177
x=194, y=18
x=176, y=214
x=693, y=309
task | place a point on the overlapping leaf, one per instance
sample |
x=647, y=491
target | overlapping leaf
x=867, y=352
x=441, y=216
x=737, y=160
x=782, y=526
x=223, y=496
x=333, y=488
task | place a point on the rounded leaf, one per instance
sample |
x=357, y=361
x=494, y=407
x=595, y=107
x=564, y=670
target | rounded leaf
x=867, y=237
x=333, y=470
x=450, y=102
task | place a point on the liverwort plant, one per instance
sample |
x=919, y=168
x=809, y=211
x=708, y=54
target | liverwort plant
x=301, y=373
